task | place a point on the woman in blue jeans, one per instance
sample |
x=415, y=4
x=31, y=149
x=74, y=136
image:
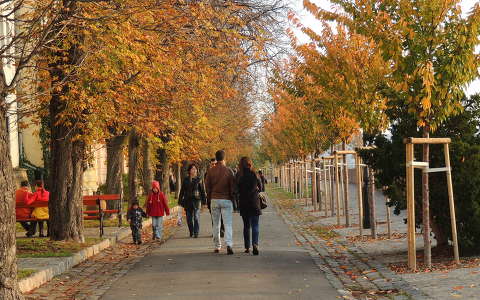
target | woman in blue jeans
x=192, y=197
x=249, y=186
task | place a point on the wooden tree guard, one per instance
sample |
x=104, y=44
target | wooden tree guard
x=372, y=203
x=343, y=154
x=411, y=164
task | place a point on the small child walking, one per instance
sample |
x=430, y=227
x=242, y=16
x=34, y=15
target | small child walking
x=135, y=216
x=157, y=207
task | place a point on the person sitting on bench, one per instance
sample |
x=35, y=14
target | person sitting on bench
x=24, y=213
x=41, y=213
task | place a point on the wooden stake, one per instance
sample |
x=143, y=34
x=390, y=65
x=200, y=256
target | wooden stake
x=359, y=195
x=372, y=202
x=346, y=192
x=314, y=185
x=412, y=252
x=452, y=204
x=337, y=189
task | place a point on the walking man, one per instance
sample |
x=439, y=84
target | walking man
x=220, y=188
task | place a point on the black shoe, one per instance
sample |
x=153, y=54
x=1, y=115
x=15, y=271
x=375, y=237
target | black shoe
x=134, y=242
x=195, y=235
x=229, y=250
x=191, y=234
x=29, y=235
x=255, y=250
x=247, y=251
x=139, y=242
x=222, y=234
x=153, y=238
x=41, y=235
x=216, y=251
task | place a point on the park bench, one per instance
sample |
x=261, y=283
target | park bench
x=89, y=214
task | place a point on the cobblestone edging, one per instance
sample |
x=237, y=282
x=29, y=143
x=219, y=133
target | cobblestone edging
x=337, y=258
x=66, y=263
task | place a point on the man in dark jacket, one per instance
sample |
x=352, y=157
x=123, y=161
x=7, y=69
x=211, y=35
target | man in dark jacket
x=220, y=189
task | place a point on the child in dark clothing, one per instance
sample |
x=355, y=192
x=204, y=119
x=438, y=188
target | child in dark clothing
x=135, y=216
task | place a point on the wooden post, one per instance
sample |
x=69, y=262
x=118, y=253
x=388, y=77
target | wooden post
x=306, y=181
x=346, y=192
x=359, y=195
x=412, y=249
x=331, y=189
x=314, y=185
x=325, y=187
x=342, y=185
x=452, y=204
x=372, y=202
x=337, y=189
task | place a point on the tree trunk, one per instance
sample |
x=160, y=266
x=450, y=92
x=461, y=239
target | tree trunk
x=115, y=166
x=147, y=168
x=68, y=149
x=66, y=173
x=133, y=145
x=440, y=236
x=162, y=173
x=425, y=204
x=8, y=259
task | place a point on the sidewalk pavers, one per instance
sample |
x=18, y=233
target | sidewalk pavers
x=49, y=267
x=350, y=270
x=356, y=264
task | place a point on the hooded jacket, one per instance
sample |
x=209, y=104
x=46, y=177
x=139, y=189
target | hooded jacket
x=40, y=195
x=157, y=205
x=21, y=198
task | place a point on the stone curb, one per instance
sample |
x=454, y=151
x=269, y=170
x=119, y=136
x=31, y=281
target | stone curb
x=38, y=278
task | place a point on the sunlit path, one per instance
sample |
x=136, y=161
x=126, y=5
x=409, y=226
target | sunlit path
x=187, y=268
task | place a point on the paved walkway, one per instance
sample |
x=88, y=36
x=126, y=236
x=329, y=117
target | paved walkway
x=187, y=268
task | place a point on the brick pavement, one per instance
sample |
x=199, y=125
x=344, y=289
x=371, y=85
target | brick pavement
x=92, y=278
x=456, y=283
x=352, y=271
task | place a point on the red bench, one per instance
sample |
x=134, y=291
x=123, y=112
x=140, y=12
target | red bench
x=90, y=200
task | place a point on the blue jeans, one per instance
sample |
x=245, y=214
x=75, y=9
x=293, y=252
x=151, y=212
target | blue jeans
x=193, y=220
x=157, y=226
x=222, y=208
x=250, y=222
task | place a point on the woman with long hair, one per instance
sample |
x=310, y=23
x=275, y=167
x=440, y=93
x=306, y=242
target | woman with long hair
x=249, y=187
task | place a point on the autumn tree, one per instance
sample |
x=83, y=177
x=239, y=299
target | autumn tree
x=27, y=33
x=431, y=47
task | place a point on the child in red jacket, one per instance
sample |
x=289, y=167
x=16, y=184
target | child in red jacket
x=157, y=207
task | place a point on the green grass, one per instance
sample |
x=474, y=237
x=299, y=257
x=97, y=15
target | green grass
x=44, y=247
x=24, y=273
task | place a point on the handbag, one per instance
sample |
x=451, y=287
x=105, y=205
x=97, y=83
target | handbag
x=263, y=200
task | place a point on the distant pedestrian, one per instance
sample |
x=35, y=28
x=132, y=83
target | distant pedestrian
x=220, y=188
x=192, y=197
x=135, y=216
x=263, y=180
x=249, y=186
x=157, y=207
x=41, y=213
